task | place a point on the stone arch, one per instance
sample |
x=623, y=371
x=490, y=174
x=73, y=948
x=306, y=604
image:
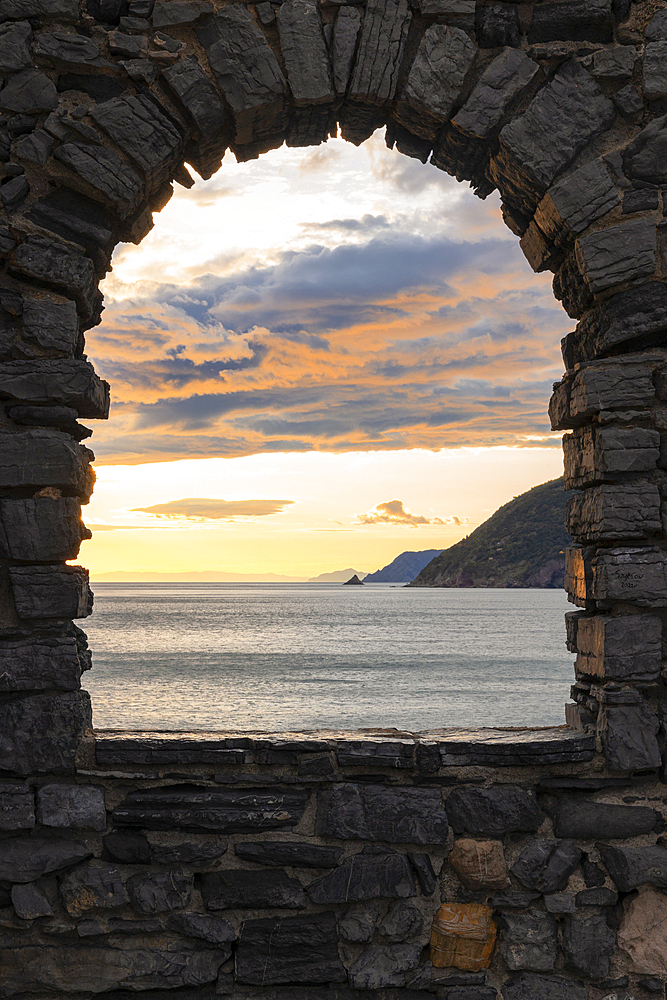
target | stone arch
x=561, y=106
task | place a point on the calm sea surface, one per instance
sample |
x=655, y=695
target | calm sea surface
x=305, y=656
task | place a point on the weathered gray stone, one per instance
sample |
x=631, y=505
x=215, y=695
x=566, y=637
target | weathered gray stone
x=51, y=591
x=247, y=72
x=167, y=12
x=305, y=52
x=628, y=734
x=68, y=51
x=538, y=144
x=365, y=876
x=529, y=941
x=610, y=513
x=656, y=29
x=497, y=25
x=35, y=147
x=376, y=812
x=619, y=253
x=546, y=865
x=215, y=930
x=435, y=79
x=596, y=897
x=379, y=966
x=217, y=810
x=95, y=885
x=79, y=806
x=588, y=944
x=237, y=888
x=513, y=900
x=530, y=986
x=357, y=923
x=559, y=902
x=402, y=922
x=622, y=648
x=41, y=733
x=29, y=92
x=42, y=663
x=98, y=926
x=130, y=46
x=616, y=63
x=72, y=382
x=637, y=575
x=654, y=70
x=576, y=21
x=25, y=859
x=17, y=806
x=586, y=820
x=594, y=454
x=147, y=136
x=51, y=323
x=423, y=869
x=612, y=384
x=344, y=43
x=101, y=173
x=299, y=854
x=41, y=530
x=52, y=263
x=63, y=10
x=631, y=867
x=128, y=848
x=157, y=892
x=643, y=159
x=376, y=752
x=572, y=205
x=197, y=95
x=82, y=968
x=493, y=812
x=202, y=852
x=15, y=47
x=300, y=949
x=35, y=899
x=628, y=100
x=501, y=82
x=381, y=45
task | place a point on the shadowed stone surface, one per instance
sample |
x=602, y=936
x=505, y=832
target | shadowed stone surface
x=546, y=865
x=210, y=809
x=365, y=876
x=236, y=888
x=375, y=812
x=299, y=949
x=493, y=811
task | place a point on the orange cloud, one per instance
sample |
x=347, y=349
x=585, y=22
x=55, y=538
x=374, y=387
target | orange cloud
x=393, y=512
x=200, y=508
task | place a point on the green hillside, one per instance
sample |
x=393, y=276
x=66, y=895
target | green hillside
x=521, y=545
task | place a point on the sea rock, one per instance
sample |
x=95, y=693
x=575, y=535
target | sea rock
x=102, y=173
x=72, y=382
x=379, y=966
x=25, y=859
x=52, y=263
x=643, y=933
x=493, y=812
x=137, y=125
x=546, y=865
x=365, y=876
x=299, y=949
x=157, y=892
x=344, y=43
x=529, y=941
x=618, y=253
x=79, y=806
x=480, y=864
x=234, y=888
x=378, y=812
x=588, y=944
x=197, y=95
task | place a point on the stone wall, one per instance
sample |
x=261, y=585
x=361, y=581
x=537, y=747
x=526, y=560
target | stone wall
x=318, y=866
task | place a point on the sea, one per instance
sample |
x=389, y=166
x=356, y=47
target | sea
x=275, y=657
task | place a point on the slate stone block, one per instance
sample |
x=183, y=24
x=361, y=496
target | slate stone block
x=619, y=648
x=51, y=591
x=78, y=806
x=63, y=10
x=402, y=922
x=15, y=47
x=29, y=92
x=468, y=993
x=378, y=753
x=610, y=384
x=423, y=869
x=95, y=885
x=636, y=314
x=594, y=454
x=530, y=986
x=629, y=101
x=588, y=944
x=53, y=264
x=51, y=323
x=343, y=46
x=612, y=513
x=435, y=79
x=102, y=174
x=197, y=95
x=68, y=51
x=575, y=21
x=17, y=806
x=299, y=854
x=246, y=71
x=217, y=810
x=365, y=876
x=654, y=70
x=380, y=52
x=616, y=63
x=71, y=382
x=128, y=848
x=572, y=205
x=584, y=820
x=299, y=949
x=559, y=902
x=379, y=966
x=529, y=941
x=215, y=930
x=25, y=859
x=202, y=852
x=493, y=812
x=41, y=530
x=168, y=12
x=358, y=923
x=512, y=900
x=237, y=888
x=497, y=25
x=631, y=867
x=35, y=899
x=546, y=865
x=42, y=663
x=377, y=812
x=617, y=254
x=147, y=136
x=305, y=53
x=157, y=892
x=596, y=897
x=501, y=82
x=41, y=733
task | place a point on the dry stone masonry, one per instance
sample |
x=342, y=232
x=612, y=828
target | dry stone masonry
x=522, y=865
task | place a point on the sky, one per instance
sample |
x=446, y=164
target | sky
x=318, y=359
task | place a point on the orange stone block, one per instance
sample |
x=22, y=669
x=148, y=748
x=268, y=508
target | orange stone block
x=463, y=936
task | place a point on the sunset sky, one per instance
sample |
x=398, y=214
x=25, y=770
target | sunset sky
x=303, y=340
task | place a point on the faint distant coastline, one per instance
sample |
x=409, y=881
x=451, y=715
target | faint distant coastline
x=207, y=576
x=521, y=545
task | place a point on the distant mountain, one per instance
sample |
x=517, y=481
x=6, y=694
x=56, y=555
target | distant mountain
x=207, y=576
x=521, y=545
x=338, y=576
x=404, y=567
